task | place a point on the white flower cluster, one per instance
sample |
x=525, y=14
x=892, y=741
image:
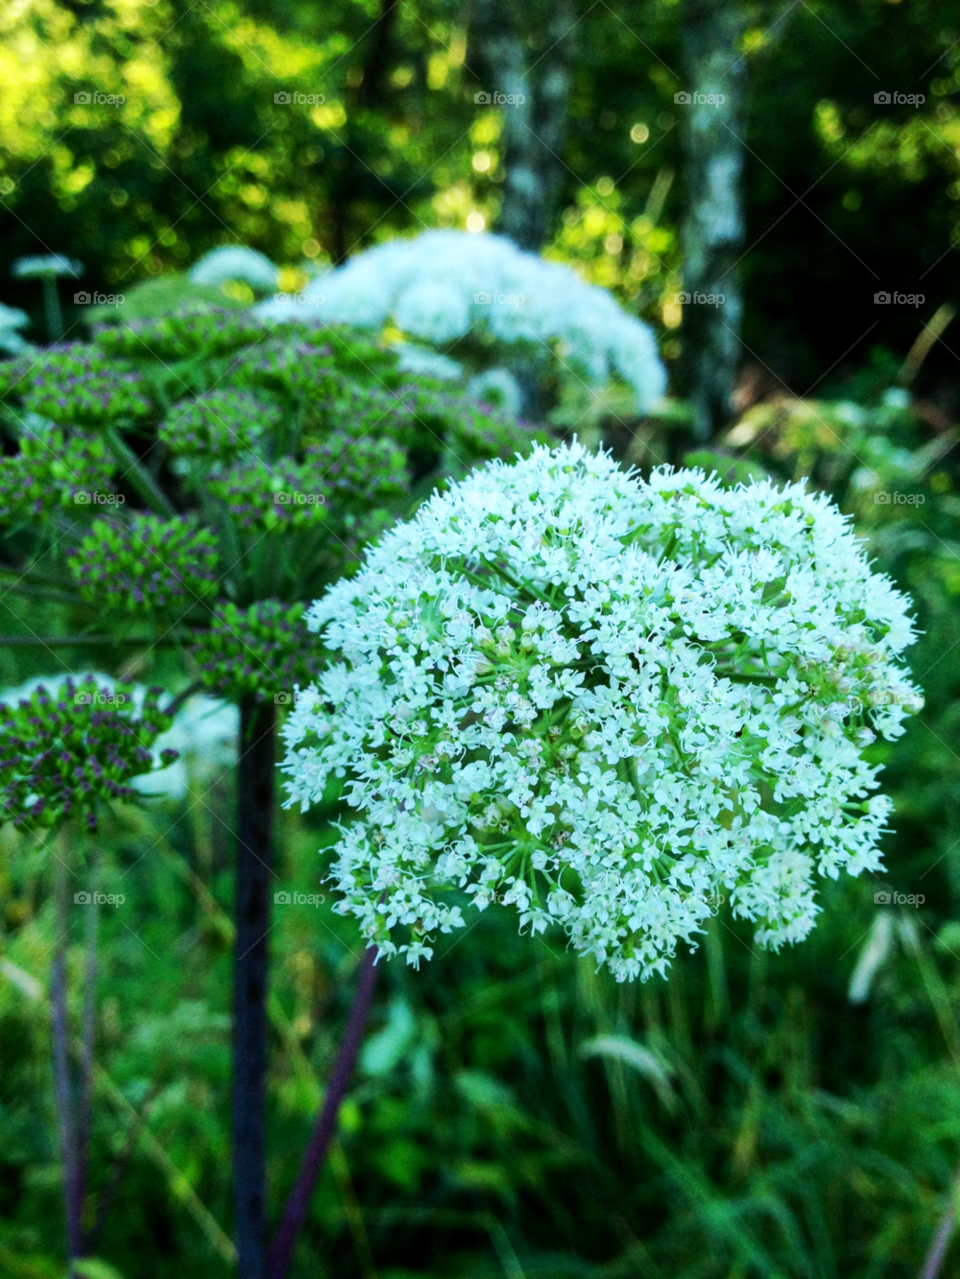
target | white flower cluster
x=12, y=319
x=608, y=701
x=204, y=735
x=443, y=284
x=235, y=262
x=46, y=264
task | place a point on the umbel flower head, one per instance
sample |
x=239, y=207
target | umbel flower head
x=440, y=286
x=263, y=651
x=603, y=700
x=146, y=563
x=235, y=262
x=67, y=749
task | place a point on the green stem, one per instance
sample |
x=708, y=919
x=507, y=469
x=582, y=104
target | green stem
x=66, y=1109
x=51, y=309
x=30, y=574
x=188, y=692
x=46, y=593
x=139, y=476
x=85, y=641
x=748, y=679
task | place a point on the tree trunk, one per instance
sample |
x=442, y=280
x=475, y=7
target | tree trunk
x=253, y=888
x=713, y=225
x=523, y=54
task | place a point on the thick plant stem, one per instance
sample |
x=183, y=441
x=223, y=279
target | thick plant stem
x=88, y=1042
x=254, y=848
x=138, y=476
x=72, y=1188
x=941, y=1240
x=51, y=308
x=298, y=1201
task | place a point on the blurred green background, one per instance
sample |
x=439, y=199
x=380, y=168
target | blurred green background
x=516, y=1114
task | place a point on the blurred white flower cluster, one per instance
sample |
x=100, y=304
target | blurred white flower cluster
x=608, y=701
x=12, y=319
x=443, y=285
x=235, y=262
x=204, y=734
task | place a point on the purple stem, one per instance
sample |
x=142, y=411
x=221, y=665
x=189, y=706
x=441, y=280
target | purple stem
x=72, y=1191
x=88, y=1043
x=941, y=1240
x=254, y=855
x=298, y=1201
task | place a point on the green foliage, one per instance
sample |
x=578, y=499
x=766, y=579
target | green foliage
x=238, y=464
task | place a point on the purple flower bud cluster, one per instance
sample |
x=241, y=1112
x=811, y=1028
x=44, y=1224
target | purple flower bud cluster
x=51, y=473
x=484, y=432
x=74, y=385
x=65, y=750
x=192, y=331
x=281, y=495
x=264, y=651
x=357, y=471
x=218, y=425
x=305, y=368
x=145, y=563
x=360, y=409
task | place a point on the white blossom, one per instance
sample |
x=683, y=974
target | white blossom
x=497, y=386
x=12, y=319
x=235, y=262
x=46, y=264
x=605, y=702
x=442, y=285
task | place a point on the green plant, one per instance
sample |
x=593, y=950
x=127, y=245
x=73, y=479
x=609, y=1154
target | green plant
x=240, y=469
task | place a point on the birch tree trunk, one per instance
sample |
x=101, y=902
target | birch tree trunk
x=713, y=224
x=523, y=53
